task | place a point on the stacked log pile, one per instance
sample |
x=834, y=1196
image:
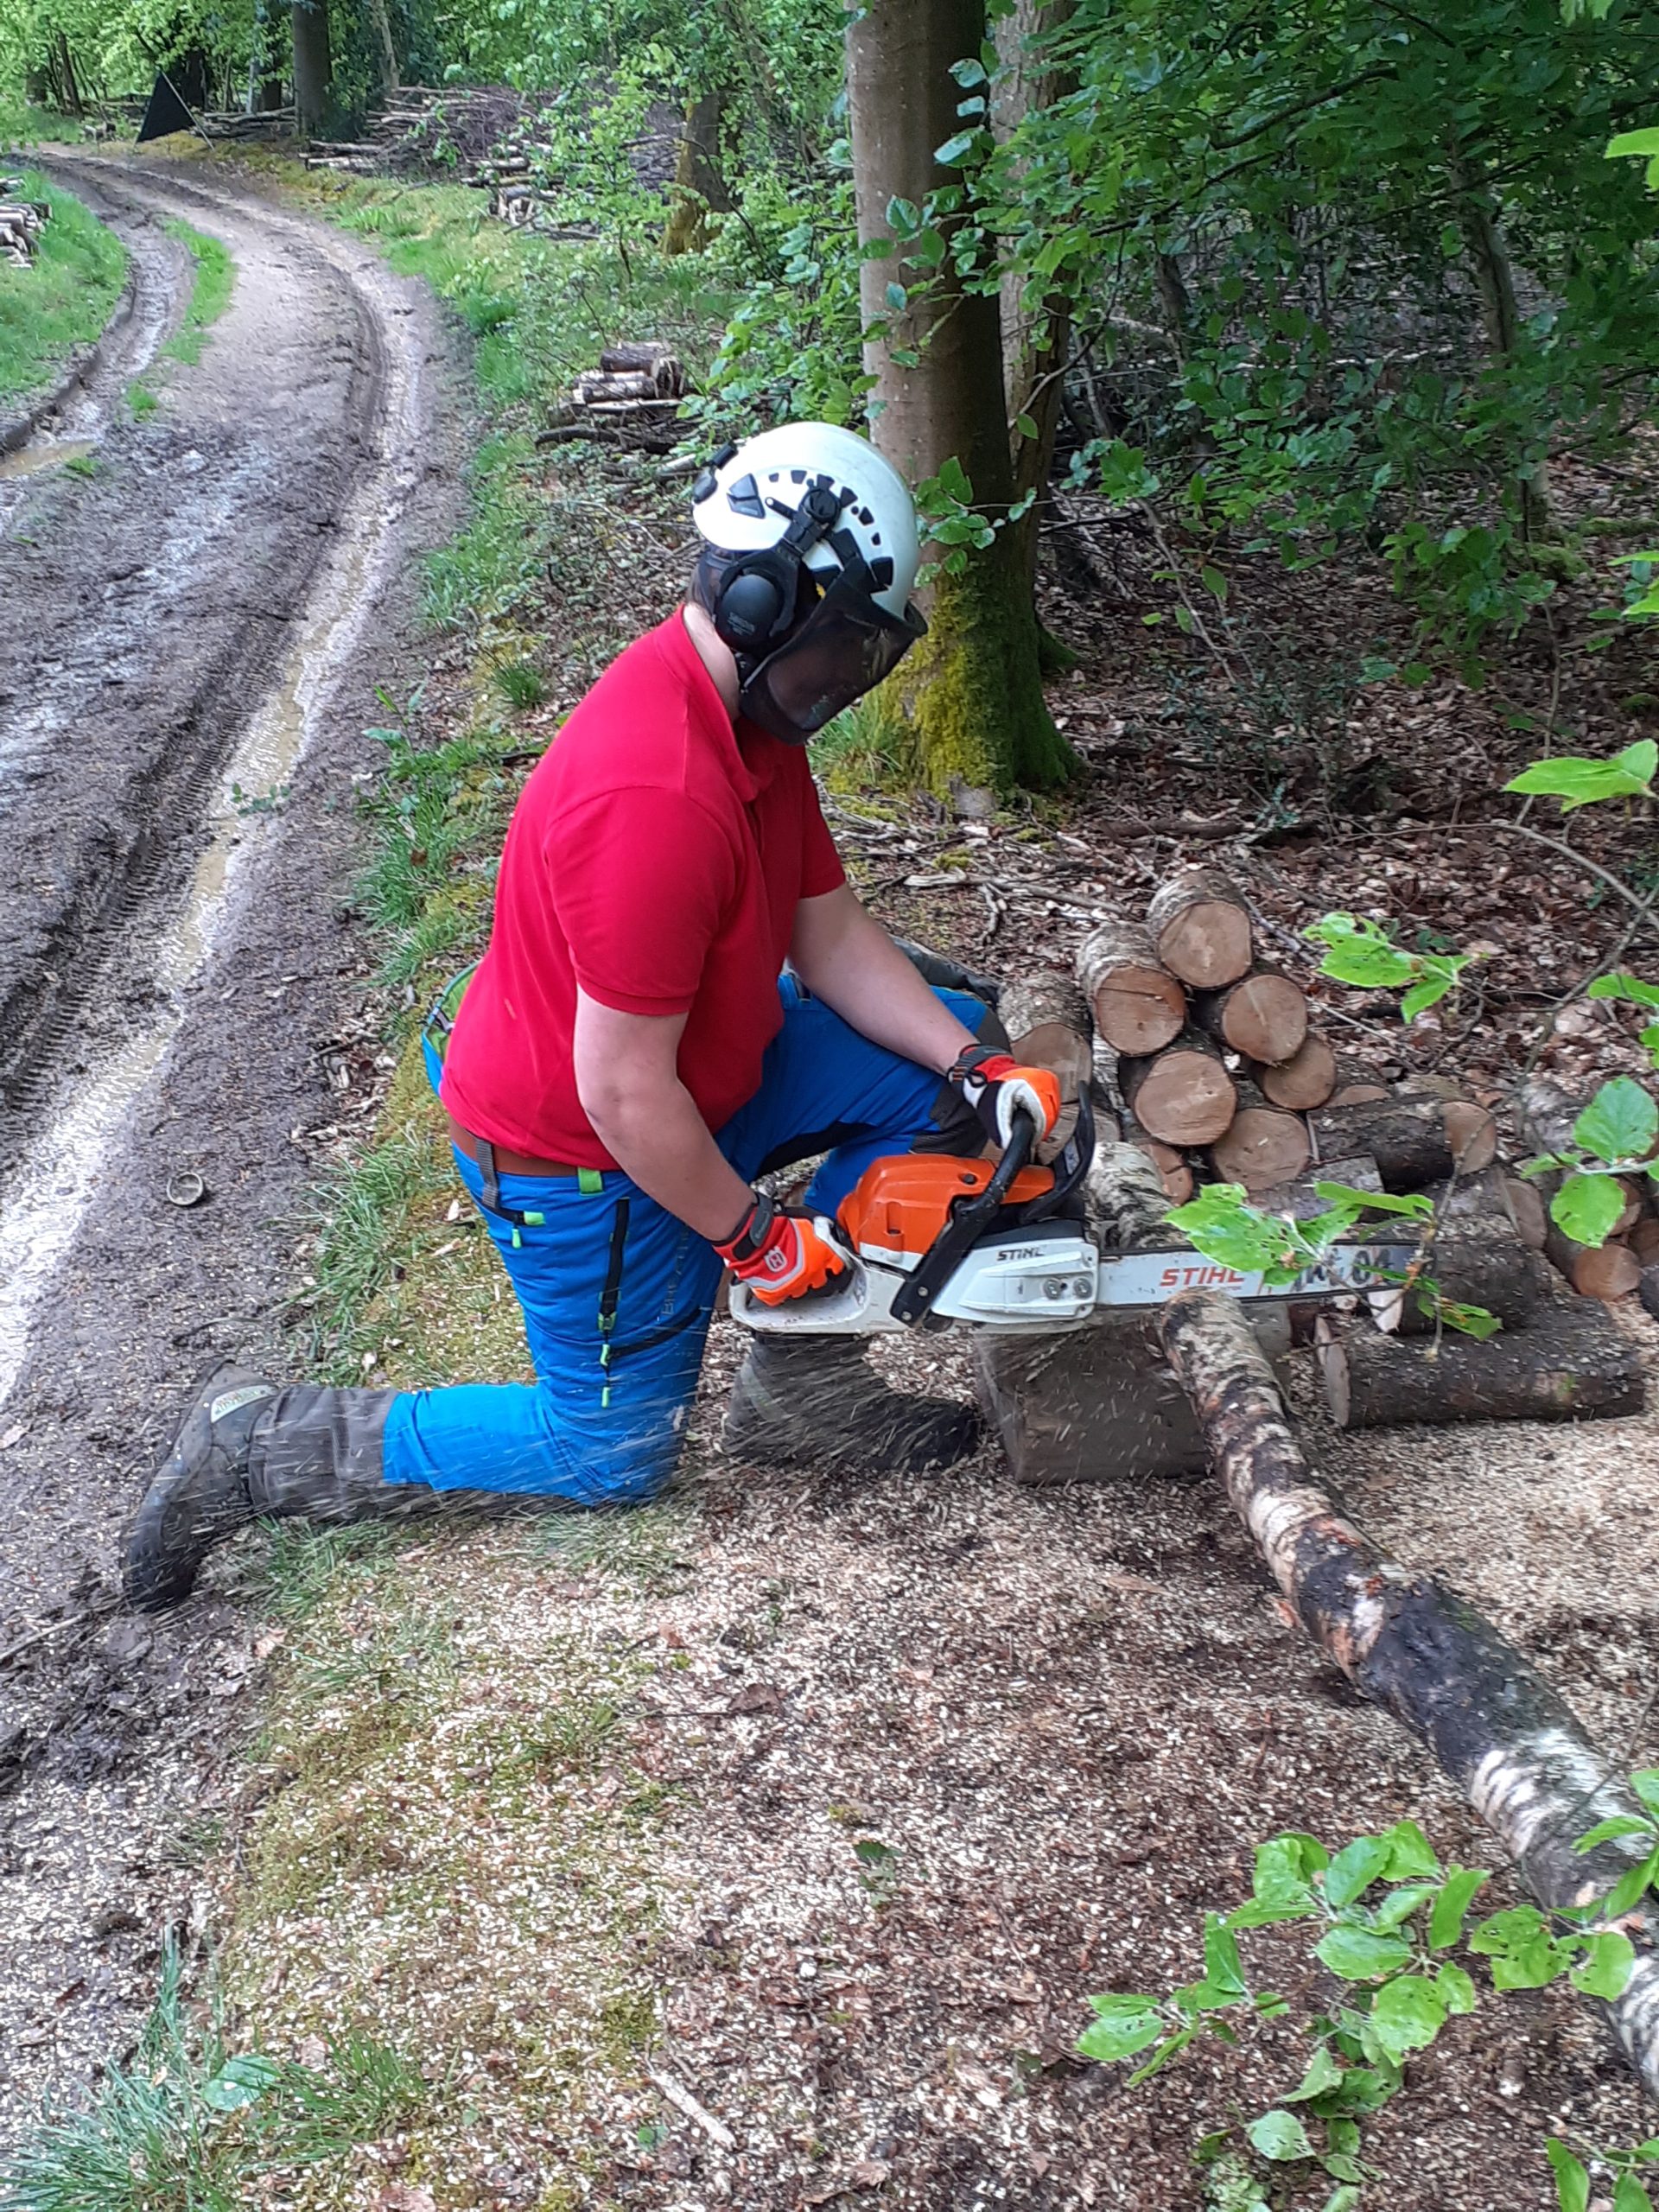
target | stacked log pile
x=1628, y=1260
x=421, y=129
x=239, y=126
x=21, y=222
x=1203, y=1065
x=631, y=399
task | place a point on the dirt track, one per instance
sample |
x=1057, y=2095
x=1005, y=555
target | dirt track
x=198, y=625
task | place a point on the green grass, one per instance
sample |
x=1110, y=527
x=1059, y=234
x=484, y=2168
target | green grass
x=65, y=299
x=363, y=1217
x=21, y=125
x=210, y=295
x=192, y=2122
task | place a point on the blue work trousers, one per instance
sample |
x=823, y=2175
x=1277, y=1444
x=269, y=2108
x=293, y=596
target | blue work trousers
x=616, y=1291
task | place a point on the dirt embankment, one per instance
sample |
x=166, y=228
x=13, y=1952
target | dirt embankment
x=190, y=637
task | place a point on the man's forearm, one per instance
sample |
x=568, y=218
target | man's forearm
x=661, y=1141
x=857, y=968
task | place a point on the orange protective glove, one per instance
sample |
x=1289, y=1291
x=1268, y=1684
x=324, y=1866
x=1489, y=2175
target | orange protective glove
x=997, y=1088
x=780, y=1254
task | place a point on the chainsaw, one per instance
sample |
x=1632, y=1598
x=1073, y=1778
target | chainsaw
x=931, y=1240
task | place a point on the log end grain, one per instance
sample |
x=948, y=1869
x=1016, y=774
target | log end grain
x=1306, y=1080
x=1200, y=928
x=1263, y=1146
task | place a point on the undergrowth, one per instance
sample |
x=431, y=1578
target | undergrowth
x=196, y=2122
x=65, y=298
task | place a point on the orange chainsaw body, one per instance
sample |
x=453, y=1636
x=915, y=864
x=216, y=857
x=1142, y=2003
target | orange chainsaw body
x=900, y=1204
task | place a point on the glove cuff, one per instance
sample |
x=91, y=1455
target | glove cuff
x=752, y=1234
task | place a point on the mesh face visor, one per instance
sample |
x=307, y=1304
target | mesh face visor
x=844, y=648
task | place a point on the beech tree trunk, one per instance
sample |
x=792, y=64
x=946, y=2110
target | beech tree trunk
x=313, y=64
x=1183, y=1095
x=1264, y=1015
x=1416, y=1648
x=699, y=185
x=1262, y=1146
x=385, y=51
x=1569, y=1362
x=966, y=706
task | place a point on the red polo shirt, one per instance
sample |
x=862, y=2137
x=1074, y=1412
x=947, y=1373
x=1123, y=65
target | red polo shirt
x=656, y=858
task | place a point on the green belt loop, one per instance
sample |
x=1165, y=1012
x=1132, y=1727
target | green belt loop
x=590, y=1182
x=534, y=1220
x=517, y=1240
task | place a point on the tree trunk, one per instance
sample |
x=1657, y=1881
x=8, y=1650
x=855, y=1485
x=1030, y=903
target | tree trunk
x=71, y=102
x=967, y=704
x=385, y=51
x=313, y=65
x=698, y=183
x=1416, y=1648
x=1035, y=339
x=1500, y=312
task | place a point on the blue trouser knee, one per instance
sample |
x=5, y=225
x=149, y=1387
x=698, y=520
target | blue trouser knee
x=617, y=1292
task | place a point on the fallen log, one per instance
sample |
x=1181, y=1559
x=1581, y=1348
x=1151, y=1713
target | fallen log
x=1572, y=1363
x=1138, y=1005
x=1301, y=1200
x=1527, y=1211
x=1183, y=1095
x=1306, y=1080
x=1263, y=1145
x=1474, y=1260
x=1200, y=928
x=1047, y=1022
x=1414, y=1647
x=1124, y=1200
x=1174, y=1168
x=1264, y=1016
x=1414, y=1141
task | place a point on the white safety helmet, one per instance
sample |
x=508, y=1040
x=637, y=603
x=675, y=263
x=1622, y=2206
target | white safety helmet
x=812, y=555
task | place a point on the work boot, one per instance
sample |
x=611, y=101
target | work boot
x=250, y=1450
x=806, y=1401
x=200, y=1494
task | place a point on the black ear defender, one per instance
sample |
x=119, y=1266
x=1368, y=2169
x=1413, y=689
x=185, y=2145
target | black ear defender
x=757, y=602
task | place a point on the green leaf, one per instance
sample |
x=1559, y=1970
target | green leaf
x=1646, y=1786
x=1026, y=425
x=1524, y=1953
x=1398, y=1906
x=1629, y=2195
x=1323, y=2072
x=239, y=2082
x=969, y=73
x=1413, y=1204
x=1408, y=2014
x=1279, y=2135
x=955, y=148
x=1609, y=1831
x=1452, y=1906
x=1354, y=1869
x=1577, y=781
x=1457, y=1989
x=1361, y=1954
x=1222, y=1968
x=1586, y=1207
x=1572, y=2181
x=1630, y=1887
x=1215, y=584
x=1620, y=1122
x=898, y=297
x=1410, y=1859
x=1346, y=2199
x=1125, y=2025
x=1606, y=1967
x=1361, y=952
x=904, y=218
x=1645, y=144
x=1623, y=985
x=1424, y=994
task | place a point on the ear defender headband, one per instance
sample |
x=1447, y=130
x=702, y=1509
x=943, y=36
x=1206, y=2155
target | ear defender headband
x=754, y=601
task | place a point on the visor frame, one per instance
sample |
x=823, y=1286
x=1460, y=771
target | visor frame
x=847, y=604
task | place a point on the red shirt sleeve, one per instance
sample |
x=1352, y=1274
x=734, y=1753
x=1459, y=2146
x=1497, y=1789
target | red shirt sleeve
x=821, y=867
x=642, y=879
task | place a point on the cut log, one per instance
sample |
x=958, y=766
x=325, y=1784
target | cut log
x=593, y=385
x=1428, y=1086
x=1264, y=1015
x=1097, y=1405
x=1649, y=1288
x=1046, y=1019
x=1306, y=1080
x=660, y=363
x=1173, y=1166
x=1183, y=1095
x=1200, y=928
x=1124, y=1200
x=1264, y=1145
x=1547, y=1115
x=1357, y=1094
x=1571, y=1363
x=1635, y=1190
x=1138, y=1005
x=1473, y=1262
x=1594, y=1270
x=1527, y=1211
x=1643, y=1239
x=1414, y=1141
x=1417, y=1650
x=1301, y=1200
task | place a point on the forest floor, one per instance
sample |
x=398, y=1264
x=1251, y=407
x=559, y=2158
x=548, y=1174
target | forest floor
x=828, y=1803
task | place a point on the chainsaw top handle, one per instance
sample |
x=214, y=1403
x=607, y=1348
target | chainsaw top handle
x=972, y=1218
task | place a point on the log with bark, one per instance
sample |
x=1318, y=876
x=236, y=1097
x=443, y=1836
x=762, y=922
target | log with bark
x=1414, y=1647
x=1124, y=1200
x=1644, y=1240
x=1600, y=1271
x=1264, y=1016
x=1263, y=1145
x=1306, y=1080
x=1527, y=1211
x=1300, y=1199
x=647, y=357
x=1174, y=1166
x=1472, y=1260
x=1649, y=1288
x=1200, y=928
x=1183, y=1095
x=1571, y=1363
x=1138, y=1005
x=1414, y=1141
x=1047, y=1023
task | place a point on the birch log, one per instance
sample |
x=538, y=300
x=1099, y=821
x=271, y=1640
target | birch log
x=1200, y=927
x=1138, y=1005
x=1413, y=1646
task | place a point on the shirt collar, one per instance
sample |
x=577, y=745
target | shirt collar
x=752, y=756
